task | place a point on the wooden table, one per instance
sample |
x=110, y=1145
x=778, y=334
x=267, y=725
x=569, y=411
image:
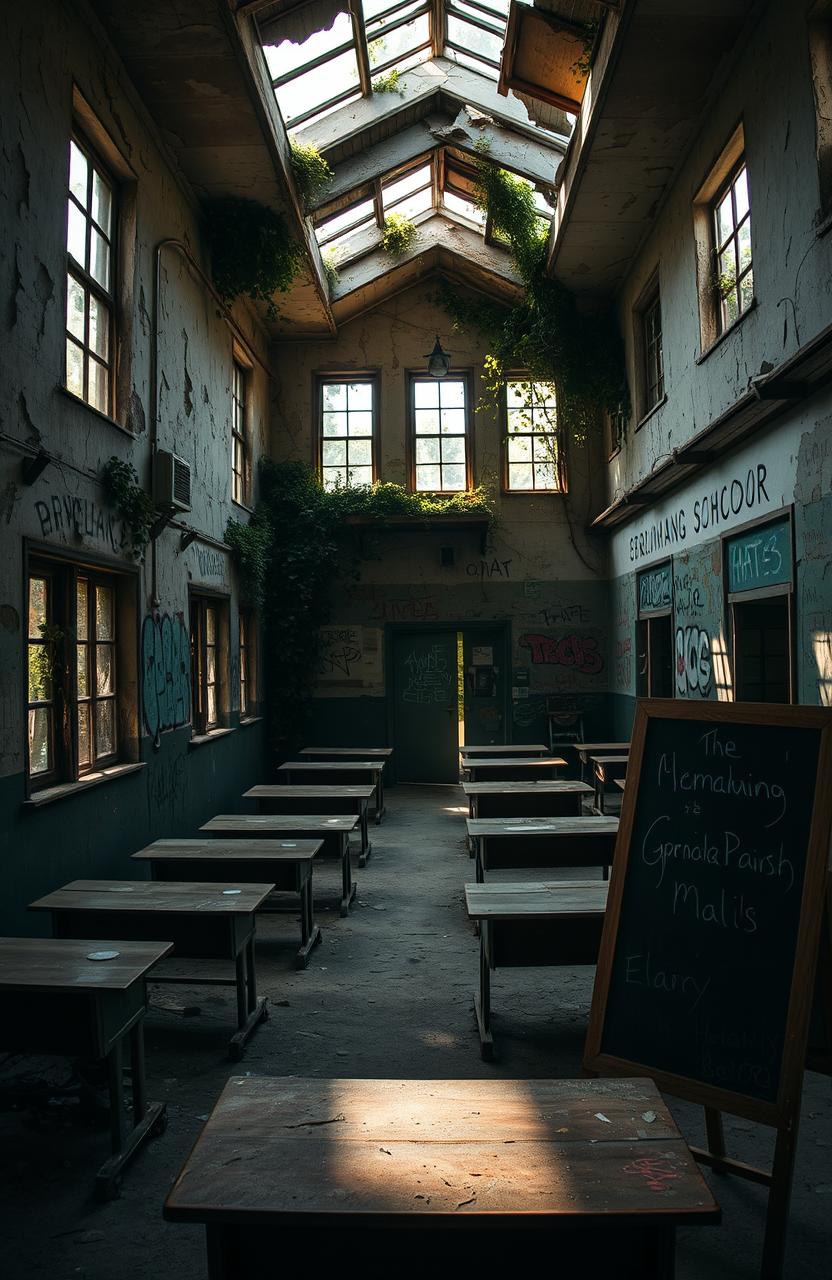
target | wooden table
x=441, y=1173
x=207, y=921
x=526, y=925
x=587, y=749
x=525, y=799
x=501, y=749
x=333, y=830
x=54, y=999
x=512, y=769
x=542, y=842
x=342, y=772
x=607, y=769
x=287, y=864
x=281, y=799
x=347, y=753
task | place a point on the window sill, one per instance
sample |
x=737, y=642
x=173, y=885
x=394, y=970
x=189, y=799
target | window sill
x=532, y=493
x=726, y=333
x=104, y=417
x=243, y=506
x=202, y=739
x=650, y=412
x=244, y=724
x=64, y=789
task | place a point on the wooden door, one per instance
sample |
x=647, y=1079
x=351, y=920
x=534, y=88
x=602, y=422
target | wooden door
x=425, y=731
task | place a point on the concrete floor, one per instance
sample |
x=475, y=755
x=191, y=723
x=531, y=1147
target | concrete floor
x=388, y=993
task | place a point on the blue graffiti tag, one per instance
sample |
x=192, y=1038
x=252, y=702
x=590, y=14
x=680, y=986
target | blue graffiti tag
x=166, y=673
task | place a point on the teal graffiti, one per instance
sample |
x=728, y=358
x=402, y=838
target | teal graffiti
x=166, y=673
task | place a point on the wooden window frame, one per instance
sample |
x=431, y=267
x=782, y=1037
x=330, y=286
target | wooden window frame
x=47, y=777
x=723, y=321
x=725, y=168
x=560, y=468
x=247, y=639
x=81, y=275
x=94, y=581
x=240, y=430
x=200, y=603
x=346, y=378
x=414, y=376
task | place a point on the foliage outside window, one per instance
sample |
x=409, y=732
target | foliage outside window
x=651, y=338
x=239, y=433
x=532, y=454
x=439, y=424
x=347, y=432
x=206, y=657
x=72, y=672
x=90, y=304
x=731, y=211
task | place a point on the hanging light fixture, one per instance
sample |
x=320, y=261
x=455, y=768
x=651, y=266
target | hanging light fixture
x=439, y=361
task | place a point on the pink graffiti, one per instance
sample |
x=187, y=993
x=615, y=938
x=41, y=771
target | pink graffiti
x=655, y=1171
x=580, y=652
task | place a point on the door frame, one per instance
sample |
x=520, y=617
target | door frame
x=394, y=629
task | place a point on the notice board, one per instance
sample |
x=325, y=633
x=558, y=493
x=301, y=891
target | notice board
x=706, y=971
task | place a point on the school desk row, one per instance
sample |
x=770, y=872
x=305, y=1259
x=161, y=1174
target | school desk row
x=605, y=762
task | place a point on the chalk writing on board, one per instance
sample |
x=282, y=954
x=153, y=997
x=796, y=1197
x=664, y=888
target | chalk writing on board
x=428, y=677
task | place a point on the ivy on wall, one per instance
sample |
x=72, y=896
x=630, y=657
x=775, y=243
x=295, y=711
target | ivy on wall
x=293, y=554
x=252, y=251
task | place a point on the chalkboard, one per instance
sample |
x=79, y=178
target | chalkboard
x=706, y=967
x=761, y=557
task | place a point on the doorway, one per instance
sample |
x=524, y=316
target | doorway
x=762, y=650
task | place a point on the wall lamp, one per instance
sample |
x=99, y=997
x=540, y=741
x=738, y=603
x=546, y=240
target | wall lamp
x=439, y=361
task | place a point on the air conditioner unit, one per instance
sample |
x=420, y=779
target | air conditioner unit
x=171, y=482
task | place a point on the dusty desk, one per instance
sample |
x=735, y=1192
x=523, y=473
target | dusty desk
x=542, y=842
x=607, y=768
x=208, y=921
x=567, y=1162
x=587, y=749
x=286, y=864
x=504, y=749
x=54, y=999
x=278, y=798
x=333, y=830
x=347, y=753
x=526, y=925
x=512, y=769
x=338, y=772
x=525, y=799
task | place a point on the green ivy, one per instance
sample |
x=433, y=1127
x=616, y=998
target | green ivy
x=311, y=172
x=398, y=234
x=123, y=491
x=388, y=83
x=330, y=261
x=252, y=251
x=291, y=557
x=544, y=334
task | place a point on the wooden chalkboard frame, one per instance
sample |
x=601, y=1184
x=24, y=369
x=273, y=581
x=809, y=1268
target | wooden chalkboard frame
x=783, y=1114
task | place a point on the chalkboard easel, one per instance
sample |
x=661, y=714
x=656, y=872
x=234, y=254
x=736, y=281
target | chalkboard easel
x=706, y=971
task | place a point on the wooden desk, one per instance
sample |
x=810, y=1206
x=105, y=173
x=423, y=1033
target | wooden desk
x=286, y=864
x=205, y=921
x=277, y=798
x=512, y=769
x=333, y=830
x=347, y=753
x=341, y=772
x=607, y=769
x=53, y=999
x=526, y=925
x=429, y=1172
x=587, y=749
x=502, y=749
x=525, y=799
x=542, y=842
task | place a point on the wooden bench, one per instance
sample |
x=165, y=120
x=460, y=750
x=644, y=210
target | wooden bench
x=434, y=1173
x=527, y=925
x=512, y=769
x=275, y=798
x=332, y=830
x=338, y=772
x=55, y=999
x=607, y=769
x=510, y=843
x=502, y=749
x=587, y=749
x=204, y=921
x=286, y=864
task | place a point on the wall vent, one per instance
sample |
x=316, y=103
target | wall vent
x=172, y=482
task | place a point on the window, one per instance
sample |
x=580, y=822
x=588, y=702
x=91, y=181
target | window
x=90, y=306
x=74, y=656
x=439, y=425
x=651, y=336
x=208, y=660
x=532, y=452
x=758, y=570
x=616, y=430
x=239, y=434
x=820, y=52
x=347, y=432
x=732, y=248
x=248, y=672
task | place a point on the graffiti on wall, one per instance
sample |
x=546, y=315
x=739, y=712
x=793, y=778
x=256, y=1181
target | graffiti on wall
x=694, y=669
x=488, y=569
x=580, y=653
x=166, y=673
x=81, y=517
x=428, y=677
x=402, y=608
x=341, y=652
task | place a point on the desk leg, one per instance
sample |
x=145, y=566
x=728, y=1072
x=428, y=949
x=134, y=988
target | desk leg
x=310, y=934
x=660, y=1250
x=379, y=799
x=482, y=1000
x=250, y=1010
x=149, y=1118
x=366, y=847
x=479, y=870
x=348, y=885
